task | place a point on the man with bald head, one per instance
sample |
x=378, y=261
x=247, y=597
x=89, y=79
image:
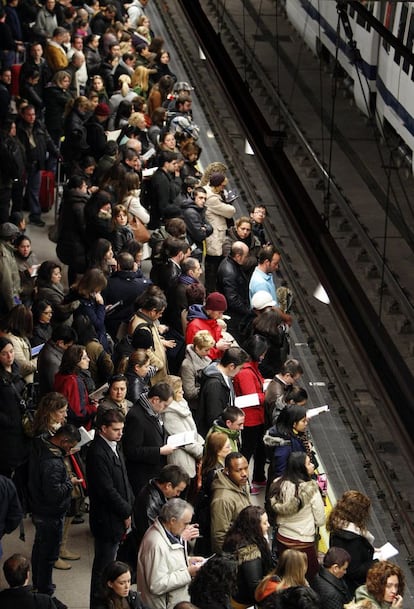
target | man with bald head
x=233, y=283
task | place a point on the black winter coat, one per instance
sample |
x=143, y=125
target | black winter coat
x=110, y=494
x=233, y=283
x=125, y=286
x=214, y=398
x=332, y=591
x=96, y=137
x=11, y=512
x=75, y=146
x=43, y=141
x=14, y=445
x=142, y=440
x=50, y=488
x=147, y=506
x=55, y=100
x=23, y=597
x=197, y=226
x=361, y=552
x=165, y=188
x=72, y=240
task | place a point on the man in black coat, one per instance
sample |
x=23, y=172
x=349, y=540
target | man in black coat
x=50, y=491
x=123, y=286
x=110, y=495
x=331, y=588
x=30, y=132
x=233, y=284
x=20, y=595
x=171, y=482
x=145, y=439
x=165, y=185
x=216, y=388
x=198, y=229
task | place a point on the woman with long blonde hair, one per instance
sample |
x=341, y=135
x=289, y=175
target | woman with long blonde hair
x=290, y=571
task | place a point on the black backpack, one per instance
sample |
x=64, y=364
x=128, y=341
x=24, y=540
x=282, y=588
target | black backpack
x=8, y=165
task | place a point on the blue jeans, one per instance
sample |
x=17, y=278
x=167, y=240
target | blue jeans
x=32, y=192
x=105, y=552
x=45, y=551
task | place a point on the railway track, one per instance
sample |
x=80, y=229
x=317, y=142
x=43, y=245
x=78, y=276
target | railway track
x=354, y=232
x=354, y=390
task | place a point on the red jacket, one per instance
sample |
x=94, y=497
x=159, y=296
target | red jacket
x=81, y=410
x=249, y=380
x=204, y=323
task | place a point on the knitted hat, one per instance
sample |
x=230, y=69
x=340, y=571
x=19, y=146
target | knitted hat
x=216, y=179
x=102, y=110
x=142, y=339
x=216, y=302
x=8, y=230
x=261, y=300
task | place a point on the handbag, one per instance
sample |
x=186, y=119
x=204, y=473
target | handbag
x=141, y=233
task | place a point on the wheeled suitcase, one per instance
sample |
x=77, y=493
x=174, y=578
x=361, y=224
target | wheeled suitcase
x=47, y=190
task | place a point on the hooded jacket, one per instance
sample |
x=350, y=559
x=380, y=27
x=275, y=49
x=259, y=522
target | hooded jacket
x=227, y=502
x=299, y=510
x=278, y=448
x=197, y=319
x=215, y=396
x=232, y=434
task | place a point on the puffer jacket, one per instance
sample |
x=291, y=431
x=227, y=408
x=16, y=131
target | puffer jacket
x=147, y=506
x=278, y=448
x=217, y=214
x=227, y=502
x=299, y=510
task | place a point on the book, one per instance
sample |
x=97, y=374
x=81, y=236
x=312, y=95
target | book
x=313, y=412
x=86, y=437
x=98, y=393
x=36, y=350
x=244, y=401
x=181, y=439
x=385, y=552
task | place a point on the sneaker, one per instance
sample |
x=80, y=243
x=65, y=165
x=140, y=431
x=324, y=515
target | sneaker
x=262, y=483
x=37, y=222
x=254, y=490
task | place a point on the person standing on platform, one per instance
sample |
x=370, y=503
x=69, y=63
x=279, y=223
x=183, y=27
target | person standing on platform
x=110, y=495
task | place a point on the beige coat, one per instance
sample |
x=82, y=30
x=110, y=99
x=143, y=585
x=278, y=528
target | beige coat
x=217, y=212
x=162, y=570
x=178, y=419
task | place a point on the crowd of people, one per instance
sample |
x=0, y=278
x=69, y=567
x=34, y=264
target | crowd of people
x=148, y=395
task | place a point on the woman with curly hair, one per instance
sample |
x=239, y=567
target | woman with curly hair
x=296, y=500
x=247, y=541
x=384, y=586
x=347, y=525
x=50, y=414
x=213, y=585
x=290, y=571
